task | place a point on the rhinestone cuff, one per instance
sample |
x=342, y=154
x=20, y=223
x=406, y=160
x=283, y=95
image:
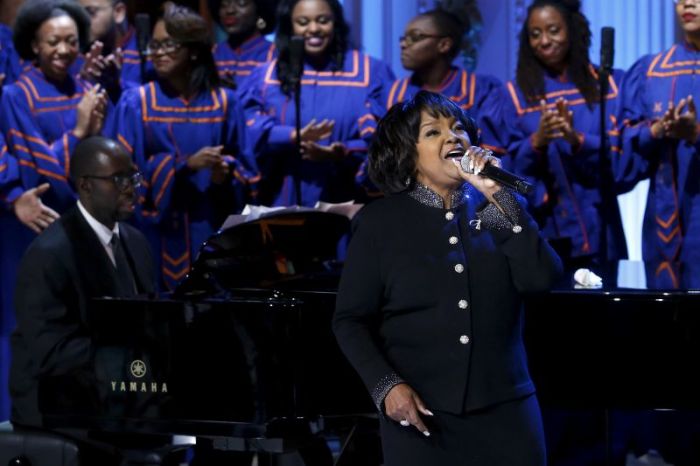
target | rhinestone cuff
x=493, y=219
x=385, y=384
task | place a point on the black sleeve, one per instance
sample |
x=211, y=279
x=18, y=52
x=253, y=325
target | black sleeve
x=357, y=313
x=534, y=264
x=48, y=314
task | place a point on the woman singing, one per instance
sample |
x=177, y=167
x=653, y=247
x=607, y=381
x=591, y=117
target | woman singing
x=428, y=309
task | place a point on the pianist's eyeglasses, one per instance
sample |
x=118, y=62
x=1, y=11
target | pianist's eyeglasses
x=122, y=182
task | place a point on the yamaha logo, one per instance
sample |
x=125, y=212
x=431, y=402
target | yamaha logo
x=138, y=368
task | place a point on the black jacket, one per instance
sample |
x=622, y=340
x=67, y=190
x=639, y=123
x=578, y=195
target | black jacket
x=61, y=271
x=433, y=299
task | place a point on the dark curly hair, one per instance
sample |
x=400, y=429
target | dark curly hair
x=192, y=31
x=337, y=48
x=451, y=26
x=393, y=154
x=265, y=9
x=530, y=72
x=33, y=13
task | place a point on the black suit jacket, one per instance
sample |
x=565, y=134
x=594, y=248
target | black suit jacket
x=62, y=270
x=432, y=297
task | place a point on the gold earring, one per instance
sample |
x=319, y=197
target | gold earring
x=261, y=24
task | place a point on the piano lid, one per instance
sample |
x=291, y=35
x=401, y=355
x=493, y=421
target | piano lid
x=290, y=249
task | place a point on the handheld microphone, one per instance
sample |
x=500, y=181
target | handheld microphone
x=496, y=174
x=296, y=57
x=607, y=48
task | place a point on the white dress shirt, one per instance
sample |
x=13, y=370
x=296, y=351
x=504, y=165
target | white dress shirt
x=103, y=233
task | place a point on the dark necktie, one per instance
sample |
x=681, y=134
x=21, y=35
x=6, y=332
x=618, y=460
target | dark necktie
x=125, y=277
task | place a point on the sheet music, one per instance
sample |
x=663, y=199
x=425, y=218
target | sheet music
x=255, y=212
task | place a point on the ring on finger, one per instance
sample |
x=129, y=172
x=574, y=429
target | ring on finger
x=404, y=422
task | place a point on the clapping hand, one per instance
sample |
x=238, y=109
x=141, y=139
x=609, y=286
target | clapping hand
x=555, y=123
x=32, y=212
x=90, y=112
x=682, y=121
x=548, y=128
x=314, y=132
x=318, y=153
x=96, y=64
x=566, y=123
x=220, y=171
x=206, y=157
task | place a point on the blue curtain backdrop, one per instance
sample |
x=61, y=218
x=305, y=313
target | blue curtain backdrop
x=642, y=26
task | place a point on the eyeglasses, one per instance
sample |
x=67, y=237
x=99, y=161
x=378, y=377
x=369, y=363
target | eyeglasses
x=411, y=39
x=166, y=47
x=122, y=182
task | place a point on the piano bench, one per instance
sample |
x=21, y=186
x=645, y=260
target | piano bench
x=36, y=449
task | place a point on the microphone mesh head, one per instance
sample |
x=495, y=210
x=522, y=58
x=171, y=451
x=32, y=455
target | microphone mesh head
x=464, y=163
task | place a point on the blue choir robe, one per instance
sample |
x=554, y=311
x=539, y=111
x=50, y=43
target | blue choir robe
x=178, y=208
x=671, y=226
x=9, y=60
x=38, y=117
x=8, y=171
x=344, y=96
x=7, y=167
x=566, y=200
x=481, y=96
x=131, y=75
x=241, y=61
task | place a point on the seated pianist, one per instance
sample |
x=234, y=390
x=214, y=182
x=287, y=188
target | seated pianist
x=89, y=252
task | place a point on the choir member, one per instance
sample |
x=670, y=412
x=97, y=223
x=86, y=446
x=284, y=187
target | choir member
x=187, y=135
x=245, y=22
x=553, y=116
x=338, y=84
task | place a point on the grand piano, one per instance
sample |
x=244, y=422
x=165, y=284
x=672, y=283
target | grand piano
x=633, y=343
x=243, y=351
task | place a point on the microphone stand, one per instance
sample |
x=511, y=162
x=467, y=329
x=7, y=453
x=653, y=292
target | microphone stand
x=296, y=59
x=604, y=165
x=297, y=162
x=610, y=218
x=143, y=30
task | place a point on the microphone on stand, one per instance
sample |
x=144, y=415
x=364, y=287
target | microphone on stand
x=142, y=23
x=296, y=58
x=497, y=174
x=607, y=48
